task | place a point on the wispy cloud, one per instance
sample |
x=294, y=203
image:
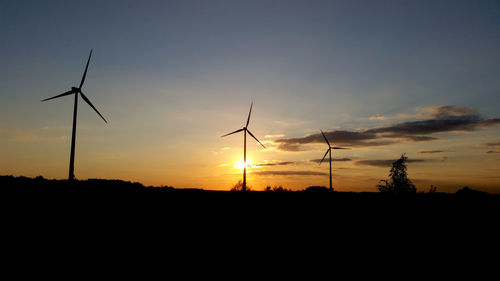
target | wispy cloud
x=440, y=120
x=446, y=111
x=377, y=117
x=275, y=163
x=492, y=152
x=289, y=173
x=274, y=136
x=350, y=138
x=23, y=138
x=492, y=144
x=431, y=151
x=385, y=162
x=333, y=159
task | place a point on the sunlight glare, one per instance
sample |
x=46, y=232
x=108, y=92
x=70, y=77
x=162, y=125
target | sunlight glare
x=241, y=164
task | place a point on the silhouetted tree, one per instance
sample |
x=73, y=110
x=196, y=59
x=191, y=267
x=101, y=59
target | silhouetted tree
x=398, y=181
x=276, y=188
x=239, y=186
x=317, y=189
x=470, y=193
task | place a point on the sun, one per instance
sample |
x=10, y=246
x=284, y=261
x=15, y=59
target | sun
x=241, y=164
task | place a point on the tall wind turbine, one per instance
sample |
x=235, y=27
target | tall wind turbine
x=245, y=130
x=76, y=92
x=329, y=151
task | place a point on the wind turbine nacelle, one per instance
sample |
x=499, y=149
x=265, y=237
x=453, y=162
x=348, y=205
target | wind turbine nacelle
x=74, y=89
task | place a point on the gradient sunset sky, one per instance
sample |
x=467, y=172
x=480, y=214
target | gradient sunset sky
x=171, y=77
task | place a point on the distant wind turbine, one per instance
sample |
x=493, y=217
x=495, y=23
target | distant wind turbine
x=329, y=151
x=245, y=130
x=76, y=91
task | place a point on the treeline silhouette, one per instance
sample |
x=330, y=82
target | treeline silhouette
x=51, y=188
x=37, y=204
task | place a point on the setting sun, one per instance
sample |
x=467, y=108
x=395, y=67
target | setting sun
x=241, y=164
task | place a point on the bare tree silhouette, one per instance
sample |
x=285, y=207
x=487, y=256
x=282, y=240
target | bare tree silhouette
x=239, y=186
x=398, y=181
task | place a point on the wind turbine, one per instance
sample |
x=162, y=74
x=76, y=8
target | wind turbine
x=329, y=151
x=245, y=130
x=76, y=91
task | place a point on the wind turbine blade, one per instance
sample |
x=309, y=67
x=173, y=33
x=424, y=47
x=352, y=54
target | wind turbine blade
x=324, y=156
x=249, y=113
x=340, y=147
x=325, y=138
x=61, y=95
x=237, y=131
x=255, y=138
x=91, y=105
x=85, y=73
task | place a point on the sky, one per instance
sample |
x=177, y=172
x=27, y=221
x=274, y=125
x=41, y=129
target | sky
x=382, y=78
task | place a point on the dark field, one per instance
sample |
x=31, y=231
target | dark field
x=127, y=196
x=92, y=215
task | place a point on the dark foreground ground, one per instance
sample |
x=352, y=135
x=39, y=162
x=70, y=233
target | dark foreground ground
x=87, y=218
x=101, y=195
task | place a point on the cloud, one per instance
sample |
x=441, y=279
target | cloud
x=431, y=151
x=441, y=119
x=334, y=159
x=438, y=125
x=290, y=147
x=492, y=151
x=442, y=112
x=348, y=138
x=289, y=173
x=23, y=138
x=377, y=117
x=273, y=136
x=275, y=163
x=492, y=144
x=489, y=122
x=385, y=162
x=412, y=138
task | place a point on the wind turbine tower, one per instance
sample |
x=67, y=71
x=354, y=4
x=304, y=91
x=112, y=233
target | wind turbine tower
x=329, y=151
x=245, y=131
x=76, y=91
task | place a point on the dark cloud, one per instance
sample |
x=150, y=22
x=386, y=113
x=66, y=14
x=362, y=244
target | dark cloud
x=286, y=146
x=289, y=173
x=338, y=136
x=492, y=144
x=431, y=151
x=346, y=138
x=384, y=163
x=443, y=112
x=334, y=159
x=283, y=163
x=489, y=122
x=492, y=151
x=431, y=126
x=411, y=138
x=441, y=120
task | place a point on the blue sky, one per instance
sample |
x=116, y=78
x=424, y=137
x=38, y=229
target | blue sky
x=172, y=76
